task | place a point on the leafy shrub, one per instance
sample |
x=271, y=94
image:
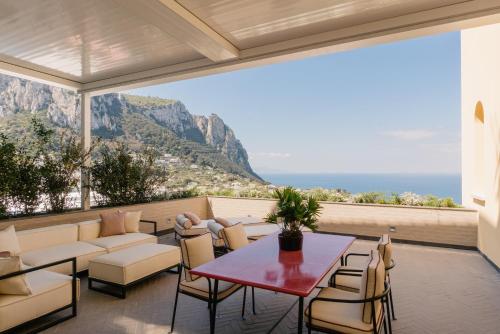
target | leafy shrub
x=370, y=197
x=120, y=177
x=7, y=175
x=294, y=210
x=319, y=194
x=41, y=169
x=61, y=164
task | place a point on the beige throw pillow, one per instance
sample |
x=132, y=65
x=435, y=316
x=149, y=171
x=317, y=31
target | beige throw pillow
x=17, y=285
x=9, y=242
x=112, y=223
x=223, y=222
x=193, y=218
x=132, y=220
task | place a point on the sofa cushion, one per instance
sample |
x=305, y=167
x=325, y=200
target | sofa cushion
x=223, y=222
x=8, y=241
x=16, y=285
x=215, y=228
x=132, y=220
x=83, y=252
x=184, y=222
x=117, y=242
x=193, y=217
x=89, y=230
x=50, y=291
x=112, y=223
x=133, y=263
x=245, y=220
x=47, y=236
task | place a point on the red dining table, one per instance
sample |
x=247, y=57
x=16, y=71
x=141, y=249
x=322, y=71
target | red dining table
x=262, y=265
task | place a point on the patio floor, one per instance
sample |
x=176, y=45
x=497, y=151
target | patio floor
x=436, y=290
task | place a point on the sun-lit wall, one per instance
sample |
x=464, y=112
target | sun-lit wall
x=481, y=133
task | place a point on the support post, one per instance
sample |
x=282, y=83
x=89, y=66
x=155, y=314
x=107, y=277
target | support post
x=85, y=114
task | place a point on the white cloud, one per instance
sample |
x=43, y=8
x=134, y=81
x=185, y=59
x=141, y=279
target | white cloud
x=410, y=134
x=270, y=155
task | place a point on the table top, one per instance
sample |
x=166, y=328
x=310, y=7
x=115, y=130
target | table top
x=261, y=264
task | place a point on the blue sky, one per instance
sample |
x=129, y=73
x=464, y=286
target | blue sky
x=384, y=109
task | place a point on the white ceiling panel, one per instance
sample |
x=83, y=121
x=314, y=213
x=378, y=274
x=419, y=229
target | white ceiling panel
x=253, y=23
x=84, y=40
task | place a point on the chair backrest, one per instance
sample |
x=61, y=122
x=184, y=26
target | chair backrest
x=372, y=285
x=195, y=252
x=385, y=249
x=235, y=236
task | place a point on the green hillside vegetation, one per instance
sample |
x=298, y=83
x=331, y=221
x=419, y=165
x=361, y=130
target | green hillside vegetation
x=147, y=101
x=141, y=129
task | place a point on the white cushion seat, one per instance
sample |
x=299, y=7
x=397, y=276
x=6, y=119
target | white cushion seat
x=341, y=317
x=128, y=265
x=116, y=242
x=199, y=287
x=83, y=252
x=50, y=291
x=245, y=220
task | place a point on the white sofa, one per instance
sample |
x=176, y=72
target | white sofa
x=48, y=244
x=50, y=293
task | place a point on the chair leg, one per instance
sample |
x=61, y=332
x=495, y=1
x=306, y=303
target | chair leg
x=388, y=317
x=179, y=269
x=390, y=298
x=392, y=306
x=253, y=301
x=244, y=302
x=385, y=327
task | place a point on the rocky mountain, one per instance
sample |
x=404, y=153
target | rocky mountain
x=166, y=124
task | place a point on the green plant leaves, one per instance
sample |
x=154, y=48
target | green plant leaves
x=294, y=210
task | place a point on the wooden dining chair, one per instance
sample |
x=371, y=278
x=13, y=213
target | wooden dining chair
x=195, y=252
x=235, y=238
x=338, y=311
x=347, y=277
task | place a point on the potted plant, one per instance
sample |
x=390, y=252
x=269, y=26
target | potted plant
x=293, y=212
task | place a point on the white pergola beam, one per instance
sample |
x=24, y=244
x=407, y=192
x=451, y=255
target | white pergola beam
x=179, y=23
x=31, y=74
x=445, y=19
x=86, y=136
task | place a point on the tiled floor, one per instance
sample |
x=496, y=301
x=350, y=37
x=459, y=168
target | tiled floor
x=436, y=290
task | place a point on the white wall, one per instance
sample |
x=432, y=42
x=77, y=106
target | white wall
x=481, y=170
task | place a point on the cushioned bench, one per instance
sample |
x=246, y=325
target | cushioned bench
x=191, y=230
x=48, y=244
x=130, y=266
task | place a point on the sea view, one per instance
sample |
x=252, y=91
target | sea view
x=442, y=185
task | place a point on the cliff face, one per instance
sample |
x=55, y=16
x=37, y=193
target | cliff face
x=63, y=110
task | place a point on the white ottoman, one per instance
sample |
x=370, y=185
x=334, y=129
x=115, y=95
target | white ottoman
x=130, y=266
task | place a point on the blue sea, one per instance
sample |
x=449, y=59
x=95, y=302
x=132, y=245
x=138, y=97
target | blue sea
x=442, y=185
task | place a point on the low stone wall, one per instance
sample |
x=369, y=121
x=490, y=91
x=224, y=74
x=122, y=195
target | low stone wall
x=456, y=227
x=163, y=212
x=422, y=224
